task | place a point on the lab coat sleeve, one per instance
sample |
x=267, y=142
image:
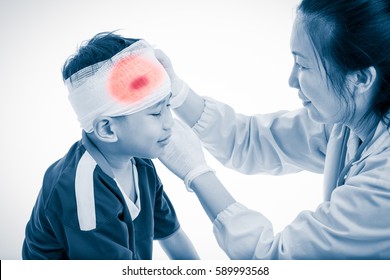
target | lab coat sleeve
x=277, y=143
x=238, y=230
x=354, y=224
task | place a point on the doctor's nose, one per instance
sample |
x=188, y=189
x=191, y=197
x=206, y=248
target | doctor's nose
x=293, y=79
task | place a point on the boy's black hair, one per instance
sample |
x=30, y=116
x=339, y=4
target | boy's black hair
x=101, y=47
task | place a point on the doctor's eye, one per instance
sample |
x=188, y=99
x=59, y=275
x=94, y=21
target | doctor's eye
x=301, y=67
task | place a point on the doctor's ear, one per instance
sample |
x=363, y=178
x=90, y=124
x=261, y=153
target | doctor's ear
x=363, y=80
x=103, y=129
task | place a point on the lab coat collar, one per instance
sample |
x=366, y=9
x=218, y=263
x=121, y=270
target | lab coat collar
x=380, y=136
x=335, y=162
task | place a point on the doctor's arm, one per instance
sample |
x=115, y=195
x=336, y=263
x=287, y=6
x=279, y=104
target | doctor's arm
x=237, y=229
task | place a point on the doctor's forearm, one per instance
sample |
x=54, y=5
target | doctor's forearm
x=212, y=195
x=192, y=108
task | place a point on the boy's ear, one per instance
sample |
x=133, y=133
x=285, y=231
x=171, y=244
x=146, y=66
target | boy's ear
x=103, y=129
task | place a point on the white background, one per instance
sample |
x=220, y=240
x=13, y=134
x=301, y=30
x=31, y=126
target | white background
x=236, y=51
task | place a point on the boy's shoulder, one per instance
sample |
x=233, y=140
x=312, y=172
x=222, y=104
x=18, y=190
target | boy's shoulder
x=62, y=171
x=67, y=162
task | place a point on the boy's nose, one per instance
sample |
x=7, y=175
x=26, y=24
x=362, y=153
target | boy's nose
x=168, y=121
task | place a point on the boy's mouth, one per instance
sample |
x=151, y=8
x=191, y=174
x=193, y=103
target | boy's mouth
x=165, y=140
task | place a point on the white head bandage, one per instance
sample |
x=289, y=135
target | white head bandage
x=130, y=81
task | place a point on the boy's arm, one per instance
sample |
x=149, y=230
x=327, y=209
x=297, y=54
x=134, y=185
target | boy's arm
x=179, y=247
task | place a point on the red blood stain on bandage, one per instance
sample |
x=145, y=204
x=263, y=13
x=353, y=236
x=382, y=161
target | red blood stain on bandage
x=133, y=78
x=139, y=83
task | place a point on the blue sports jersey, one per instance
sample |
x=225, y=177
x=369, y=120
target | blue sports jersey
x=101, y=227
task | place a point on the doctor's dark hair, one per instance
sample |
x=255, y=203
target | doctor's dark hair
x=101, y=47
x=349, y=36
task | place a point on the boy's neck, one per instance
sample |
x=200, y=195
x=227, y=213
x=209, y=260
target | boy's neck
x=118, y=163
x=105, y=158
x=122, y=169
x=125, y=178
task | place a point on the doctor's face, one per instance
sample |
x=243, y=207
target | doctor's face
x=309, y=77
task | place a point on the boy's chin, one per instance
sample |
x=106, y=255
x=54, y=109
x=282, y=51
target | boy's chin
x=155, y=154
x=152, y=153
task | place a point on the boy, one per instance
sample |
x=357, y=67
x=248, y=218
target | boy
x=103, y=199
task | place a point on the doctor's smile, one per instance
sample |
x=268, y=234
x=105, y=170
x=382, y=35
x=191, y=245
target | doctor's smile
x=304, y=100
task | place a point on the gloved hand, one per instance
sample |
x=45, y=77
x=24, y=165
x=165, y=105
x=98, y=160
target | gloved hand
x=178, y=87
x=183, y=155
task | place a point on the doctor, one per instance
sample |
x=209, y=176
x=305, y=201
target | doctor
x=342, y=75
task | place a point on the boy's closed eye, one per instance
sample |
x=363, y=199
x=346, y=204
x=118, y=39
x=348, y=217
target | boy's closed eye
x=156, y=114
x=156, y=110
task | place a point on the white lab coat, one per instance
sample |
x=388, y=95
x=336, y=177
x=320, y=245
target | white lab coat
x=353, y=222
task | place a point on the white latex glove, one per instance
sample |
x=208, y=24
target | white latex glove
x=183, y=155
x=179, y=88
